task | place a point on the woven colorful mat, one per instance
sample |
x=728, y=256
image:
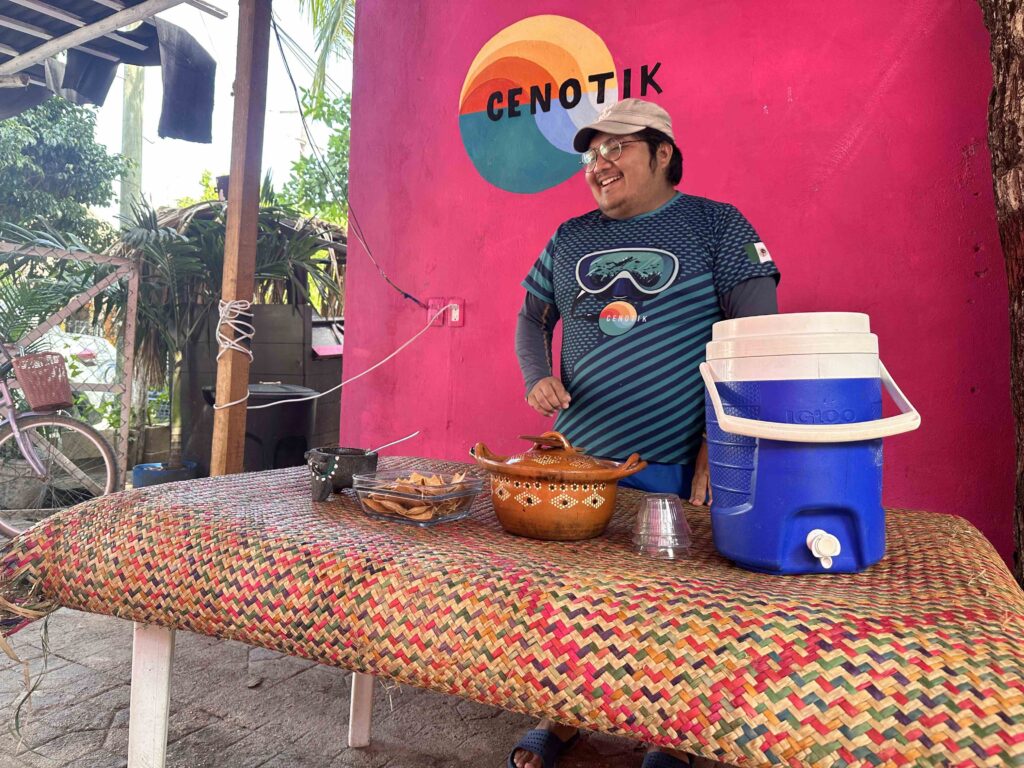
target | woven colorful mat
x=917, y=662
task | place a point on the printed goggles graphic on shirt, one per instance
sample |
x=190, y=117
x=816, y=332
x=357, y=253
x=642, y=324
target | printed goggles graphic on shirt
x=650, y=270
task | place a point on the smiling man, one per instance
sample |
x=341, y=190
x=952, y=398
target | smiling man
x=637, y=285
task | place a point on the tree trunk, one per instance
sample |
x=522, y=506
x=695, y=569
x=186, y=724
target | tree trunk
x=1005, y=22
x=175, y=396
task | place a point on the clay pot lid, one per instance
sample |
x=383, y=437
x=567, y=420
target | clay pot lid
x=552, y=451
x=552, y=457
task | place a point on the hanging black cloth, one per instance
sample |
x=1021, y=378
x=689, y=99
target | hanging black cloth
x=188, y=73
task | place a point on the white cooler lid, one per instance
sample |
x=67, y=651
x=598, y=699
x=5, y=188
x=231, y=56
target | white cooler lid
x=792, y=323
x=797, y=333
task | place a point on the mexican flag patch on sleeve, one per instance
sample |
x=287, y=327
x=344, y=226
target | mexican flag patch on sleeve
x=757, y=252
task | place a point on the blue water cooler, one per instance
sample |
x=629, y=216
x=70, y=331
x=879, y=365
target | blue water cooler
x=794, y=430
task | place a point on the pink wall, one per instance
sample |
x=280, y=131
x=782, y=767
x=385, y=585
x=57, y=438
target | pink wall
x=854, y=140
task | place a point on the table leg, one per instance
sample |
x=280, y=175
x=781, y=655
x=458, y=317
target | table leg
x=152, y=656
x=360, y=710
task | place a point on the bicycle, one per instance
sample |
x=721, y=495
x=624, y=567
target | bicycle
x=48, y=460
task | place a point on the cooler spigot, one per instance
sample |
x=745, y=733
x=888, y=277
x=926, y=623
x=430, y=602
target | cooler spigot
x=824, y=546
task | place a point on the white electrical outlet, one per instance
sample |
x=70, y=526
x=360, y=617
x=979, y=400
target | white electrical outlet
x=457, y=313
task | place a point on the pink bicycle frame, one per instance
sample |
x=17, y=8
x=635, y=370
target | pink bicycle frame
x=10, y=416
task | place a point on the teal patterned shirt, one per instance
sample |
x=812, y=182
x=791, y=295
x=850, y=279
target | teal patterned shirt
x=637, y=299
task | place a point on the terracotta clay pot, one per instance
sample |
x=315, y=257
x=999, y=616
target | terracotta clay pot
x=553, y=491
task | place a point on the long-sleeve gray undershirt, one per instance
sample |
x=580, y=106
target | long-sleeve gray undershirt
x=537, y=321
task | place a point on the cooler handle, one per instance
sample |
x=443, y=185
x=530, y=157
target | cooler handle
x=909, y=419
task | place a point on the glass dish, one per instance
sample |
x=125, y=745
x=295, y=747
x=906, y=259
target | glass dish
x=415, y=497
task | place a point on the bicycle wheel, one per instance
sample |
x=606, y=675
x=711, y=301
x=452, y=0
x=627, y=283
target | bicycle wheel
x=78, y=460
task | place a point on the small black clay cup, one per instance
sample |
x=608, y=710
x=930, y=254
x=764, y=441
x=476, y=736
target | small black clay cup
x=331, y=468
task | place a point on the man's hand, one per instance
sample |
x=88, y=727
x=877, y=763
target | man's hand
x=548, y=396
x=701, y=485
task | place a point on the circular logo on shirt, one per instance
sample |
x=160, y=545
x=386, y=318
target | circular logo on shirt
x=527, y=92
x=617, y=318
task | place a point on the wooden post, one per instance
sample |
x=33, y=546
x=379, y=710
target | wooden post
x=360, y=710
x=150, y=702
x=131, y=137
x=128, y=373
x=243, y=211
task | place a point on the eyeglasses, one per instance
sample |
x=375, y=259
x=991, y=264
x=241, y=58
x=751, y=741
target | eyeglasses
x=609, y=150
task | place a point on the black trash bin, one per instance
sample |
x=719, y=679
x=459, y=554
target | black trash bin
x=275, y=437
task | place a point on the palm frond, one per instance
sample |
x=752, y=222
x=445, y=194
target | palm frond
x=267, y=194
x=335, y=24
x=49, y=283
x=26, y=303
x=181, y=255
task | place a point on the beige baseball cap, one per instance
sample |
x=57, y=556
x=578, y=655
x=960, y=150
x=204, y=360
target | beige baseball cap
x=624, y=117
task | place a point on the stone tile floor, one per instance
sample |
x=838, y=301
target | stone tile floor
x=233, y=706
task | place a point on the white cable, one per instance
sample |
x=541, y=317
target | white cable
x=360, y=375
x=231, y=313
x=395, y=442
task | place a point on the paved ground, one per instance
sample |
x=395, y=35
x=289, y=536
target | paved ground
x=233, y=706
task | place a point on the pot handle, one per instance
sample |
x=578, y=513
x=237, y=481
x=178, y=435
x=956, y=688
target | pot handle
x=632, y=465
x=550, y=440
x=480, y=453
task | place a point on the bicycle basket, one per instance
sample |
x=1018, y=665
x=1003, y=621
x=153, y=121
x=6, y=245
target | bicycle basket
x=44, y=381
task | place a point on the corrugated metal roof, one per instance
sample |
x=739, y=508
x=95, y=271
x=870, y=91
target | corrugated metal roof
x=27, y=24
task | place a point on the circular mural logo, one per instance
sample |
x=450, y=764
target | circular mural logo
x=529, y=89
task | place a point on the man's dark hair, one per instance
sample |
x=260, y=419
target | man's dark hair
x=655, y=138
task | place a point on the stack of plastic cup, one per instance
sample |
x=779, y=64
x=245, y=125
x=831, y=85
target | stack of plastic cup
x=661, y=529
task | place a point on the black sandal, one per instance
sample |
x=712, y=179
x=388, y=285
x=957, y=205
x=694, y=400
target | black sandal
x=663, y=760
x=543, y=743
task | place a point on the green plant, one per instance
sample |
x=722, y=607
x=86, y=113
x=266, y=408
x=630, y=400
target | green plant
x=209, y=191
x=289, y=256
x=23, y=303
x=181, y=258
x=104, y=411
x=174, y=303
x=156, y=403
x=52, y=169
x=109, y=411
x=318, y=186
x=32, y=288
x=335, y=24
